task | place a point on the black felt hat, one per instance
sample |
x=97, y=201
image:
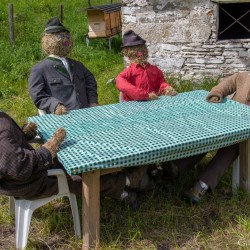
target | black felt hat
x=54, y=25
x=130, y=38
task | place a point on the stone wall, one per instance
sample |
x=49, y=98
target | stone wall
x=181, y=38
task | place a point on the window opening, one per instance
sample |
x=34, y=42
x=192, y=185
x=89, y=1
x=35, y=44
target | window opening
x=234, y=21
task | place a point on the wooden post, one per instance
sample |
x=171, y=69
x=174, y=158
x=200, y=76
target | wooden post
x=61, y=12
x=245, y=165
x=11, y=23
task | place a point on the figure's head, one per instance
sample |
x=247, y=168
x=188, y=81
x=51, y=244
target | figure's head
x=134, y=47
x=56, y=39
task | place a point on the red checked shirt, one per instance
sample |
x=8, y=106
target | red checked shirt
x=136, y=82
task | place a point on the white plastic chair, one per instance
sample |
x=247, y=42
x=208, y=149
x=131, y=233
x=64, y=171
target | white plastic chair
x=121, y=99
x=236, y=174
x=25, y=208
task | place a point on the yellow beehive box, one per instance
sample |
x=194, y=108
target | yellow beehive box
x=104, y=20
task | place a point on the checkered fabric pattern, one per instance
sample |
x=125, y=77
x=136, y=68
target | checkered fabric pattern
x=135, y=133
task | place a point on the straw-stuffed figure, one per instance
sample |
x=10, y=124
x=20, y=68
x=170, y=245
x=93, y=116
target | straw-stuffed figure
x=58, y=83
x=141, y=81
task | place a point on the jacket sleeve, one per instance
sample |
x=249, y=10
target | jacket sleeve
x=224, y=88
x=18, y=163
x=123, y=84
x=37, y=90
x=91, y=86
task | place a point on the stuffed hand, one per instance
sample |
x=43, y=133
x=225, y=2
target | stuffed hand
x=93, y=104
x=170, y=91
x=215, y=99
x=55, y=141
x=60, y=110
x=153, y=96
x=30, y=130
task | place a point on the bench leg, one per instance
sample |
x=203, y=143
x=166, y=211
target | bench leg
x=245, y=165
x=91, y=209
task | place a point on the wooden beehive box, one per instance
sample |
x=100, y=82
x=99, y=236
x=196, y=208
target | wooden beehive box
x=104, y=20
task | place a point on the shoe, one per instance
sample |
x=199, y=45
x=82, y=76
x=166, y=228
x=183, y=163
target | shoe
x=195, y=193
x=138, y=178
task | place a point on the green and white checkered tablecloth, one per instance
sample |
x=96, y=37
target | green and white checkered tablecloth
x=135, y=133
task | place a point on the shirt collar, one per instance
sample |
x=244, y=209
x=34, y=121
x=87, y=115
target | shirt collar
x=137, y=65
x=57, y=57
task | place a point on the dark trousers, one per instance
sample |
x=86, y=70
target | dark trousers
x=111, y=185
x=216, y=168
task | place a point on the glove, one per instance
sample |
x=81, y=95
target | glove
x=170, y=91
x=60, y=110
x=153, y=96
x=93, y=104
x=55, y=141
x=30, y=131
x=215, y=99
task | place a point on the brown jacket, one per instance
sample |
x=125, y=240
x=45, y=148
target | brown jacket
x=23, y=170
x=237, y=85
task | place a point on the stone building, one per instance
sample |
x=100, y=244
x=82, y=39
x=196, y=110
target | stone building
x=193, y=39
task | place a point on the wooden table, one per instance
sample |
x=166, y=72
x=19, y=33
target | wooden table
x=105, y=138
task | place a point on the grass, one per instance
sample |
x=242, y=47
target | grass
x=163, y=222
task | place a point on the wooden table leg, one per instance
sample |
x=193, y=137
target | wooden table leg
x=91, y=209
x=245, y=165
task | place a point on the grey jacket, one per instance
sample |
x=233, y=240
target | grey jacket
x=51, y=84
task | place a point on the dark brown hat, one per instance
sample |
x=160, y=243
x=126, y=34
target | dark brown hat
x=130, y=38
x=54, y=25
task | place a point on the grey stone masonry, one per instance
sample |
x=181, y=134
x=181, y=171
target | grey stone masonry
x=182, y=38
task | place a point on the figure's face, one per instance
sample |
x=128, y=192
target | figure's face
x=59, y=44
x=136, y=54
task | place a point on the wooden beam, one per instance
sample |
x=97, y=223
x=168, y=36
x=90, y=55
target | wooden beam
x=109, y=171
x=61, y=12
x=11, y=23
x=230, y=1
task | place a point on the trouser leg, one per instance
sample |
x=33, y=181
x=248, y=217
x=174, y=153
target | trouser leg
x=185, y=164
x=75, y=184
x=224, y=157
x=112, y=185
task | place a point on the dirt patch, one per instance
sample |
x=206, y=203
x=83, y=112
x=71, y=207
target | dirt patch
x=7, y=237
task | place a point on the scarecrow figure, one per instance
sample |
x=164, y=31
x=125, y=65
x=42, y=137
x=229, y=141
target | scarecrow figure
x=141, y=81
x=236, y=87
x=23, y=169
x=58, y=84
